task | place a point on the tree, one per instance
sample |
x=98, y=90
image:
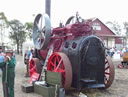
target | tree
x=115, y=27
x=126, y=30
x=3, y=25
x=3, y=17
x=17, y=33
x=28, y=29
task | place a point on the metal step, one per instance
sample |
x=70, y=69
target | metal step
x=88, y=80
x=96, y=86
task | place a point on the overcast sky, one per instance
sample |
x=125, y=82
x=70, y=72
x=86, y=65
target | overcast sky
x=105, y=10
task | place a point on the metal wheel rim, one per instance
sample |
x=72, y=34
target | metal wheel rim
x=41, y=33
x=109, y=72
x=64, y=68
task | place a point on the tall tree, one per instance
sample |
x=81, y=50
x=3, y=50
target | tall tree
x=3, y=17
x=28, y=29
x=3, y=26
x=17, y=33
x=126, y=30
x=114, y=26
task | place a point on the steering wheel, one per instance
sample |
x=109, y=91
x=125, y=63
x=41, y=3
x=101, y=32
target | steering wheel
x=41, y=31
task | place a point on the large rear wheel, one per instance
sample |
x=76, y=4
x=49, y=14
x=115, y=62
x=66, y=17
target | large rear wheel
x=109, y=72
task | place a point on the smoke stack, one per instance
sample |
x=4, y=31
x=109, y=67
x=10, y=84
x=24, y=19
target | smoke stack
x=48, y=7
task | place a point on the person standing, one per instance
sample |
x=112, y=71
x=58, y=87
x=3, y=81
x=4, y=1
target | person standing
x=10, y=61
x=28, y=58
x=1, y=57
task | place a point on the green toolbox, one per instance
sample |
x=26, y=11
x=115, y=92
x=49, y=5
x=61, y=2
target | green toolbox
x=45, y=91
x=53, y=84
x=53, y=78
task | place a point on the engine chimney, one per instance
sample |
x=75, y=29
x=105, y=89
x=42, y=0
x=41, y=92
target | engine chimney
x=48, y=7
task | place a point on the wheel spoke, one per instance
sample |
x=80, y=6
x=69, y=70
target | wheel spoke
x=61, y=70
x=41, y=23
x=33, y=68
x=57, y=57
x=107, y=67
x=42, y=35
x=58, y=65
x=37, y=36
x=107, y=73
x=37, y=25
x=106, y=61
x=55, y=62
x=52, y=63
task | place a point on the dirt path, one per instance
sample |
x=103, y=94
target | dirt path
x=119, y=87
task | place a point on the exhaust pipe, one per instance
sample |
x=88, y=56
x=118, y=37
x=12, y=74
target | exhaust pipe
x=48, y=7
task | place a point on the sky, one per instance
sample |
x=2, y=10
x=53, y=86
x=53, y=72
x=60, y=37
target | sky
x=61, y=10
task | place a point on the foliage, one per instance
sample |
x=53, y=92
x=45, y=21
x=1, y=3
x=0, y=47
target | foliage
x=3, y=17
x=126, y=28
x=115, y=27
x=3, y=26
x=28, y=29
x=17, y=33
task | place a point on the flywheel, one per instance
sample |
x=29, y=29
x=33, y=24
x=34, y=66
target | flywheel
x=41, y=31
x=59, y=62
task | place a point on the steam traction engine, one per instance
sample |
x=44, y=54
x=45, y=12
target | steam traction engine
x=77, y=54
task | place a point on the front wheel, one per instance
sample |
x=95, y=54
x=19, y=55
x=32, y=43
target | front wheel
x=34, y=66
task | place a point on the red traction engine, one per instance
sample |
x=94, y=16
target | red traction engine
x=77, y=54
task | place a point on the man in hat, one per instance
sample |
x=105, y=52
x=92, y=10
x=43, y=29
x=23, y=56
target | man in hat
x=9, y=60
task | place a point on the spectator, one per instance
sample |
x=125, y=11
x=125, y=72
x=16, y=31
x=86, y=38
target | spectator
x=28, y=58
x=1, y=56
x=123, y=50
x=10, y=62
x=112, y=51
x=30, y=53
